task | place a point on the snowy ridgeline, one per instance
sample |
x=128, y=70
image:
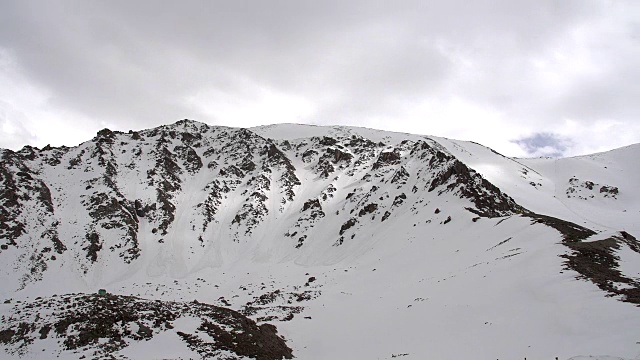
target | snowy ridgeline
x=354, y=243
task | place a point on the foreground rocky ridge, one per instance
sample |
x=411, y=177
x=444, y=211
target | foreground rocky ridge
x=100, y=326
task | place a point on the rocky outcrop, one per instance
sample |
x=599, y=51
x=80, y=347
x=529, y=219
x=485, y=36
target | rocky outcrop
x=387, y=158
x=331, y=158
x=28, y=224
x=585, y=190
x=401, y=176
x=102, y=325
x=459, y=179
x=596, y=261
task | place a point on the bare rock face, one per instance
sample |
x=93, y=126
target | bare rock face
x=348, y=225
x=333, y=157
x=387, y=158
x=368, y=209
x=488, y=199
x=401, y=176
x=311, y=204
x=28, y=225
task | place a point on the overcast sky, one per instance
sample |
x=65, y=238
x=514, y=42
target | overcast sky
x=527, y=78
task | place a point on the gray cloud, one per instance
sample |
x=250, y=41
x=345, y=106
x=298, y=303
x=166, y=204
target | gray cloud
x=134, y=64
x=544, y=144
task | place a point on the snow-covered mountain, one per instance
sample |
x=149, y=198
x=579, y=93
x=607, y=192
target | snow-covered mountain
x=355, y=243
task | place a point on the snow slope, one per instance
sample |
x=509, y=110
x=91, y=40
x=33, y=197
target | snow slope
x=545, y=185
x=356, y=243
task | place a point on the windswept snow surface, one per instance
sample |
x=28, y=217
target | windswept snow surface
x=578, y=189
x=433, y=280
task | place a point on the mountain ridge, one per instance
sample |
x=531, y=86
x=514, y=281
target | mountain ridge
x=181, y=201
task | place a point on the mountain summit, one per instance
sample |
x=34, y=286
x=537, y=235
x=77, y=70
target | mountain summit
x=346, y=242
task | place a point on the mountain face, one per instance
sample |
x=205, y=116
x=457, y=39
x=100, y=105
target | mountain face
x=354, y=243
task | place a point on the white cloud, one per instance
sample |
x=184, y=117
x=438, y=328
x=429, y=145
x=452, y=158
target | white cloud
x=27, y=116
x=487, y=71
x=256, y=105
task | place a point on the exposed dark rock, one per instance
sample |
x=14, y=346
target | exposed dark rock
x=570, y=232
x=419, y=146
x=401, y=176
x=387, y=158
x=349, y=224
x=368, y=209
x=360, y=144
x=254, y=208
x=611, y=190
x=597, y=262
x=579, y=189
x=140, y=212
x=247, y=165
x=327, y=141
x=190, y=138
x=276, y=158
x=109, y=213
x=231, y=170
x=301, y=240
x=337, y=155
x=190, y=158
x=399, y=199
x=105, y=136
x=209, y=152
x=6, y=336
x=489, y=201
x=44, y=331
x=29, y=152
x=77, y=160
x=167, y=208
x=274, y=152
x=326, y=168
x=52, y=234
x=308, y=154
x=286, y=145
x=311, y=204
x=93, y=247
x=266, y=298
x=216, y=191
x=10, y=203
x=22, y=192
